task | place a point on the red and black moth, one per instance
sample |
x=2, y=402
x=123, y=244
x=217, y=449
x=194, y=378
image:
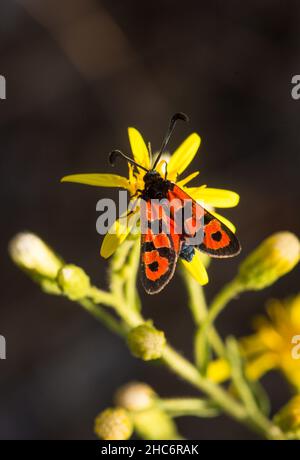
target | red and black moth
x=160, y=249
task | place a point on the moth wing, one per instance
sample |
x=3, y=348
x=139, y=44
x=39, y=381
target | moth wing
x=216, y=239
x=160, y=247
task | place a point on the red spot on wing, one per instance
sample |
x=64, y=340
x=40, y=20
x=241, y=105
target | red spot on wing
x=214, y=227
x=162, y=265
x=193, y=223
x=161, y=241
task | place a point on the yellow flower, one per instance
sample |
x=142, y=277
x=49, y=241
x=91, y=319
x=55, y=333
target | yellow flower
x=176, y=165
x=275, y=345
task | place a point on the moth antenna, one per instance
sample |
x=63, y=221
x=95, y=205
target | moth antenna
x=177, y=116
x=117, y=153
x=150, y=151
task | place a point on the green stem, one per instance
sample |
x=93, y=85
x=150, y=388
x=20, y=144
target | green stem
x=118, y=300
x=178, y=407
x=243, y=389
x=101, y=297
x=123, y=271
x=104, y=317
x=198, y=307
x=117, y=265
x=217, y=342
x=238, y=375
x=131, y=275
x=129, y=315
x=229, y=291
x=175, y=361
x=219, y=303
x=197, y=302
x=188, y=372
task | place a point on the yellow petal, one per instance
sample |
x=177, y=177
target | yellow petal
x=187, y=179
x=252, y=345
x=215, y=197
x=224, y=221
x=218, y=370
x=98, y=180
x=261, y=365
x=117, y=233
x=185, y=153
x=196, y=269
x=110, y=244
x=139, y=148
x=295, y=312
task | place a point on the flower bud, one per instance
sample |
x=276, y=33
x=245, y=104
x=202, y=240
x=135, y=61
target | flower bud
x=113, y=424
x=274, y=257
x=73, y=281
x=146, y=342
x=154, y=423
x=34, y=256
x=135, y=396
x=288, y=418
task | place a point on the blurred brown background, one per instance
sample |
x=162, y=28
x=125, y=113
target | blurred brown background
x=78, y=73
